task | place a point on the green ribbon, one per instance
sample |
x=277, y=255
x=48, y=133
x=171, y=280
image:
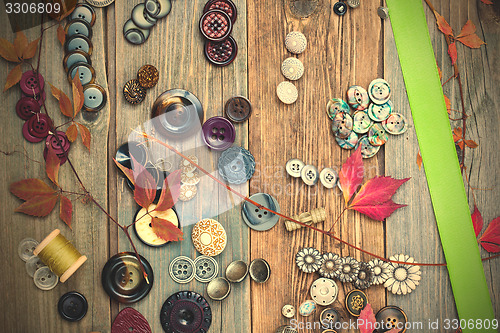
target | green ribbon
x=441, y=164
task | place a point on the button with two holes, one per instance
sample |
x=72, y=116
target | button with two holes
x=78, y=43
x=78, y=27
x=257, y=218
x=94, y=97
x=84, y=12
x=26, y=247
x=181, y=269
x=86, y=73
x=73, y=57
x=45, y=279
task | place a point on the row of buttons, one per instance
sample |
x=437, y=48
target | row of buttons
x=310, y=174
x=134, y=90
x=291, y=68
x=144, y=16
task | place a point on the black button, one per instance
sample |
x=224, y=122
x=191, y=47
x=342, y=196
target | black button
x=355, y=301
x=72, y=306
x=391, y=317
x=238, y=108
x=339, y=8
x=186, y=312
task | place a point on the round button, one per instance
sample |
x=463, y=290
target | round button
x=226, y=6
x=380, y=112
x=187, y=192
x=37, y=128
x=32, y=83
x=342, y=125
x=74, y=57
x=186, y=166
x=392, y=317
x=328, y=177
x=26, y=247
x=141, y=17
x=288, y=311
x=45, y=279
x=26, y=107
x=78, y=27
x=379, y=91
x=163, y=7
x=86, y=73
x=259, y=270
x=236, y=165
x=329, y=317
x=72, y=306
x=133, y=92
x=383, y=12
x=94, y=97
x=294, y=167
x=215, y=25
x=148, y=76
x=353, y=3
x=257, y=218
x=33, y=264
x=377, y=135
x=287, y=92
x=209, y=237
x=367, y=149
x=309, y=175
x=190, y=178
x=84, y=12
x=292, y=68
x=361, y=122
x=133, y=34
x=181, y=269
x=324, y=291
x=186, y=312
x=39, y=98
x=143, y=224
x=236, y=271
x=100, y=3
x=218, y=289
x=336, y=105
x=339, y=8
x=307, y=308
x=59, y=144
x=355, y=301
x=206, y=269
x=152, y=7
x=221, y=53
x=78, y=43
x=218, y=133
x=357, y=97
x=238, y=109
x=123, y=280
x=295, y=42
x=132, y=148
x=395, y=124
x=349, y=142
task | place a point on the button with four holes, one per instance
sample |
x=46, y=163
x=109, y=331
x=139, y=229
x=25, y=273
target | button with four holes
x=238, y=109
x=31, y=83
x=206, y=269
x=26, y=107
x=218, y=133
x=392, y=317
x=309, y=175
x=329, y=316
x=294, y=166
x=37, y=128
x=328, y=177
x=182, y=269
x=258, y=218
x=72, y=306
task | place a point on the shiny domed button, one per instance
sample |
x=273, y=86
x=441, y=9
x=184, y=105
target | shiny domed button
x=294, y=166
x=133, y=34
x=226, y=6
x=380, y=112
x=238, y=109
x=329, y=317
x=336, y=105
x=287, y=92
x=309, y=175
x=216, y=25
x=383, y=12
x=182, y=270
x=218, y=289
x=361, y=122
x=392, y=317
x=206, y=269
x=78, y=27
x=357, y=97
x=259, y=270
x=292, y=68
x=45, y=279
x=348, y=143
x=78, y=43
x=37, y=128
x=144, y=229
x=148, y=76
x=152, y=7
x=395, y=124
x=94, y=97
x=84, y=12
x=133, y=92
x=209, y=237
x=236, y=165
x=324, y=291
x=26, y=107
x=295, y=42
x=328, y=177
x=86, y=73
x=377, y=135
x=379, y=91
x=161, y=9
x=342, y=125
x=355, y=301
x=74, y=57
x=26, y=247
x=257, y=218
x=307, y=308
x=288, y=311
x=32, y=83
x=339, y=8
x=221, y=53
x=187, y=312
x=353, y=3
x=33, y=264
x=72, y=306
x=218, y=133
x=141, y=18
x=367, y=149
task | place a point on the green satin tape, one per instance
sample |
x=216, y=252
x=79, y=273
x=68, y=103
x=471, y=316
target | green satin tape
x=441, y=164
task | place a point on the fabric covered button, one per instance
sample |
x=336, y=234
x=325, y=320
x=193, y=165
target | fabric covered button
x=221, y=53
x=26, y=247
x=186, y=312
x=218, y=133
x=324, y=291
x=377, y=135
x=141, y=17
x=143, y=224
x=257, y=218
x=292, y=68
x=295, y=42
x=367, y=149
x=26, y=107
x=339, y=8
x=342, y=125
x=355, y=301
x=361, y=122
x=72, y=306
x=33, y=264
x=328, y=177
x=287, y=92
x=45, y=279
x=133, y=34
x=309, y=175
x=349, y=142
x=379, y=91
x=206, y=269
x=336, y=105
x=209, y=237
x=392, y=317
x=78, y=43
x=86, y=73
x=148, y=76
x=94, y=97
x=37, y=128
x=395, y=124
x=181, y=269
x=84, y=12
x=357, y=97
x=238, y=108
x=380, y=112
x=163, y=8
x=294, y=167
x=226, y=6
x=78, y=27
x=236, y=165
x=215, y=25
x=307, y=308
x=32, y=83
x=133, y=92
x=288, y=311
x=74, y=57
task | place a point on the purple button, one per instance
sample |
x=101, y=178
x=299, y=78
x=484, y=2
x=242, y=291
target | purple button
x=31, y=83
x=51, y=141
x=218, y=133
x=37, y=127
x=26, y=107
x=40, y=98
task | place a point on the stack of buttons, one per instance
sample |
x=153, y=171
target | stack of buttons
x=216, y=25
x=43, y=277
x=291, y=68
x=134, y=90
x=189, y=178
x=78, y=49
x=144, y=16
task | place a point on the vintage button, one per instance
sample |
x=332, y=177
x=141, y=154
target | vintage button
x=152, y=7
x=61, y=148
x=141, y=17
x=307, y=308
x=329, y=317
x=353, y=3
x=177, y=113
x=379, y=91
x=257, y=218
x=367, y=149
x=37, y=127
x=186, y=166
x=236, y=271
x=190, y=178
x=187, y=192
x=206, y=269
x=308, y=259
x=33, y=264
x=215, y=25
x=123, y=280
x=130, y=320
x=295, y=42
x=324, y=291
x=26, y=107
x=236, y=165
x=218, y=289
x=40, y=98
x=288, y=311
x=94, y=97
x=187, y=312
x=309, y=175
x=163, y=164
x=78, y=43
x=328, y=177
x=73, y=57
x=84, y=12
x=218, y=133
x=395, y=124
x=133, y=92
x=133, y=34
x=365, y=276
x=226, y=6
x=355, y=301
x=349, y=268
x=26, y=247
x=181, y=269
x=147, y=76
x=132, y=148
x=380, y=112
x=357, y=98
x=45, y=279
x=287, y=92
x=259, y=270
x=86, y=73
x=403, y=278
x=144, y=229
x=72, y=306
x=162, y=8
x=336, y=105
x=383, y=12
x=286, y=329
x=381, y=271
x=349, y=142
x=330, y=265
x=238, y=109
x=361, y=122
x=339, y=8
x=342, y=125
x=209, y=237
x=392, y=317
x=78, y=27
x=221, y=53
x=292, y=68
x=99, y=4
x=294, y=167
x=377, y=135
x=32, y=83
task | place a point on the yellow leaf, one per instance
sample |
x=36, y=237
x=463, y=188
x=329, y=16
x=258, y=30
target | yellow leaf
x=13, y=77
x=20, y=43
x=30, y=51
x=72, y=132
x=7, y=51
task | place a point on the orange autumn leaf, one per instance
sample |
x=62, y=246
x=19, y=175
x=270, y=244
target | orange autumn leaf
x=40, y=205
x=52, y=165
x=468, y=29
x=28, y=188
x=166, y=230
x=85, y=133
x=126, y=171
x=61, y=35
x=30, y=51
x=452, y=52
x=145, y=185
x=170, y=191
x=457, y=133
x=78, y=98
x=461, y=145
x=55, y=91
x=448, y=104
x=72, y=132
x=471, y=143
x=65, y=105
x=443, y=25
x=20, y=44
x=7, y=51
x=419, y=161
x=440, y=72
x=65, y=210
x=472, y=41
x=13, y=77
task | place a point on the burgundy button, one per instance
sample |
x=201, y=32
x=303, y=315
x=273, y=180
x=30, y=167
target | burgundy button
x=40, y=98
x=37, y=128
x=26, y=107
x=221, y=53
x=218, y=133
x=31, y=83
x=215, y=25
x=227, y=6
x=51, y=141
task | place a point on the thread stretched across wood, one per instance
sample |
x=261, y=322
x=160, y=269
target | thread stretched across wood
x=314, y=216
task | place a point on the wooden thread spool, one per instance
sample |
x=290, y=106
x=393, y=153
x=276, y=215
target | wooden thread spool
x=314, y=216
x=59, y=255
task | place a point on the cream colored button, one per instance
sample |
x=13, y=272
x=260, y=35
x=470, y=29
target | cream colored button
x=287, y=92
x=26, y=248
x=292, y=68
x=186, y=166
x=295, y=42
x=209, y=237
x=143, y=226
x=45, y=279
x=33, y=264
x=190, y=178
x=324, y=291
x=187, y=192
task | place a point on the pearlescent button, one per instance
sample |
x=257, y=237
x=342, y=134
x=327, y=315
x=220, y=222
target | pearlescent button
x=141, y=17
x=295, y=42
x=379, y=91
x=324, y=291
x=84, y=12
x=288, y=311
x=293, y=167
x=78, y=43
x=94, y=97
x=78, y=26
x=287, y=92
x=328, y=177
x=336, y=105
x=367, y=149
x=309, y=175
x=45, y=279
x=133, y=34
x=292, y=68
x=209, y=237
x=377, y=135
x=206, y=269
x=181, y=269
x=257, y=218
x=349, y=142
x=342, y=125
x=395, y=124
x=307, y=308
x=380, y=112
x=357, y=97
x=362, y=122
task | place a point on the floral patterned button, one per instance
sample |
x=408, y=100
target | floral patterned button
x=209, y=237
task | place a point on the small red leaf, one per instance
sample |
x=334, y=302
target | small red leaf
x=20, y=43
x=65, y=105
x=77, y=93
x=477, y=221
x=471, y=143
x=490, y=240
x=457, y=133
x=443, y=25
x=166, y=230
x=30, y=51
x=170, y=192
x=452, y=52
x=378, y=212
x=13, y=77
x=28, y=188
x=467, y=29
x=61, y=35
x=85, y=133
x=448, y=104
x=52, y=165
x=419, y=161
x=7, y=51
x=145, y=185
x=440, y=73
x=351, y=174
x=488, y=2
x=461, y=145
x=65, y=210
x=473, y=41
x=126, y=171
x=367, y=321
x=377, y=191
x=55, y=91
x=40, y=205
x=72, y=133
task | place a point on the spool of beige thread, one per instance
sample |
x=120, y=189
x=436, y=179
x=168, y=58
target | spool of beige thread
x=314, y=216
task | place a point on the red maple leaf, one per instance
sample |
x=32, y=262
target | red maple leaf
x=40, y=205
x=490, y=240
x=477, y=221
x=145, y=185
x=377, y=191
x=452, y=52
x=468, y=37
x=378, y=212
x=28, y=188
x=170, y=191
x=488, y=2
x=367, y=320
x=351, y=175
x=166, y=230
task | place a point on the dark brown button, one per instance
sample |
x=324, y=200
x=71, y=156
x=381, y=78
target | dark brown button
x=133, y=91
x=147, y=76
x=216, y=25
x=391, y=317
x=355, y=301
x=238, y=109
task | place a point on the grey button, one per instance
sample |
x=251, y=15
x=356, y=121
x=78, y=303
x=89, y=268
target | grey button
x=94, y=97
x=383, y=12
x=152, y=7
x=309, y=175
x=257, y=218
x=78, y=27
x=84, y=12
x=294, y=167
x=141, y=17
x=288, y=311
x=45, y=279
x=324, y=291
x=206, y=269
x=33, y=264
x=133, y=34
x=78, y=43
x=86, y=73
x=328, y=177
x=329, y=316
x=75, y=56
x=26, y=248
x=165, y=7
x=182, y=269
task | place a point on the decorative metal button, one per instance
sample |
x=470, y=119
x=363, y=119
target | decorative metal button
x=342, y=125
x=133, y=34
x=324, y=291
x=295, y=42
x=328, y=177
x=218, y=133
x=133, y=92
x=307, y=308
x=309, y=260
x=292, y=68
x=367, y=149
x=216, y=25
x=143, y=227
x=221, y=53
x=209, y=237
x=147, y=76
x=377, y=135
x=78, y=26
x=348, y=143
x=365, y=276
x=86, y=73
x=309, y=175
x=339, y=8
x=182, y=270
x=218, y=289
x=236, y=271
x=355, y=301
x=78, y=43
x=349, y=268
x=392, y=317
x=226, y=6
x=84, y=12
x=236, y=165
x=141, y=18
x=32, y=83
x=130, y=320
x=380, y=112
x=336, y=105
x=100, y=3
x=330, y=265
x=403, y=278
x=288, y=311
x=45, y=279
x=353, y=3
x=329, y=316
x=94, y=97
x=257, y=218
x=361, y=122
x=287, y=92
x=379, y=91
x=206, y=269
x=383, y=12
x=187, y=192
x=238, y=109
x=357, y=97
x=186, y=312
x=381, y=271
x=395, y=124
x=286, y=329
x=161, y=9
x=72, y=306
x=74, y=57
x=294, y=166
x=259, y=270
x=26, y=107
x=33, y=264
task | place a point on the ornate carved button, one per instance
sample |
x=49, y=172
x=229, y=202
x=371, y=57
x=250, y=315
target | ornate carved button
x=186, y=312
x=309, y=260
x=330, y=265
x=133, y=92
x=236, y=165
x=292, y=68
x=216, y=25
x=295, y=42
x=221, y=53
x=187, y=192
x=226, y=6
x=130, y=320
x=324, y=291
x=182, y=269
x=355, y=301
x=287, y=92
x=209, y=237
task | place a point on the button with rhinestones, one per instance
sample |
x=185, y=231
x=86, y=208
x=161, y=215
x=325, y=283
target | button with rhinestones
x=94, y=97
x=355, y=301
x=295, y=42
x=84, y=12
x=324, y=291
x=78, y=27
x=361, y=122
x=349, y=142
x=336, y=105
x=392, y=317
x=72, y=306
x=216, y=25
x=238, y=108
x=45, y=279
x=342, y=125
x=133, y=92
x=133, y=34
x=26, y=107
x=181, y=269
x=78, y=43
x=206, y=269
x=379, y=91
x=339, y=8
x=328, y=177
x=31, y=83
x=293, y=167
x=226, y=6
x=380, y=112
x=292, y=68
x=258, y=218
x=209, y=237
x=287, y=92
x=357, y=97
x=395, y=124
x=221, y=53
x=377, y=135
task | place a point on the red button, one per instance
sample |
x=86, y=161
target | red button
x=226, y=6
x=51, y=141
x=32, y=83
x=221, y=53
x=26, y=107
x=216, y=25
x=40, y=98
x=37, y=128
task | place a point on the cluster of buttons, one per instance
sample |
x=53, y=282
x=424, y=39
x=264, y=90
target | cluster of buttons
x=134, y=90
x=291, y=68
x=340, y=7
x=369, y=124
x=310, y=174
x=43, y=277
x=144, y=16
x=78, y=48
x=216, y=25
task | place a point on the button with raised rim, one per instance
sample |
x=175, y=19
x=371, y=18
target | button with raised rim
x=37, y=128
x=78, y=27
x=26, y=107
x=143, y=224
x=45, y=279
x=84, y=12
x=324, y=291
x=342, y=125
x=361, y=122
x=238, y=109
x=336, y=105
x=357, y=97
x=395, y=124
x=78, y=43
x=94, y=97
x=294, y=166
x=40, y=98
x=218, y=133
x=367, y=149
x=86, y=73
x=309, y=175
x=26, y=247
x=236, y=165
x=164, y=8
x=339, y=8
x=186, y=311
x=100, y=3
x=133, y=92
x=288, y=311
x=73, y=57
x=141, y=17
x=257, y=218
x=349, y=142
x=133, y=34
x=392, y=317
x=72, y=306
x=181, y=269
x=380, y=112
x=329, y=317
x=32, y=83
x=226, y=6
x=209, y=237
x=355, y=301
x=206, y=269
x=259, y=270
x=377, y=135
x=33, y=264
x=221, y=53
x=216, y=25
x=379, y=91
x=328, y=177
